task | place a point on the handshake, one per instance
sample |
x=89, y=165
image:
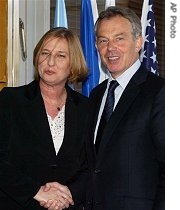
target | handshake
x=54, y=196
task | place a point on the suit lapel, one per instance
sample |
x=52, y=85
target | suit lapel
x=71, y=123
x=129, y=95
x=95, y=107
x=34, y=111
x=97, y=101
x=71, y=126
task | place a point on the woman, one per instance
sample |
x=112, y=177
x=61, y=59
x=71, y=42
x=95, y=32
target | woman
x=41, y=126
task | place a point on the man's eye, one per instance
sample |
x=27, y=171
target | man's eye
x=102, y=41
x=119, y=38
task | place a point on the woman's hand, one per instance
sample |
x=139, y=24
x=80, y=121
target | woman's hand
x=54, y=196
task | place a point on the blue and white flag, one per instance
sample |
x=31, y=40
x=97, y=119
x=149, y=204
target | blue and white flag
x=149, y=50
x=104, y=74
x=60, y=18
x=87, y=37
x=94, y=10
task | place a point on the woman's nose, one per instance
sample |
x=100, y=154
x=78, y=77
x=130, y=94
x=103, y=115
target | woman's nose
x=51, y=60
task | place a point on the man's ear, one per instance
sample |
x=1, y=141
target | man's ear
x=139, y=43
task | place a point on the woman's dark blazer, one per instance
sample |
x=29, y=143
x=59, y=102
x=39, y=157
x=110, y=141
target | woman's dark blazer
x=128, y=171
x=27, y=155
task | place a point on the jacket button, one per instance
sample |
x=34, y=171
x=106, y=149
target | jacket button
x=96, y=171
x=53, y=166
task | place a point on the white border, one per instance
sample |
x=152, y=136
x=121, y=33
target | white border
x=172, y=72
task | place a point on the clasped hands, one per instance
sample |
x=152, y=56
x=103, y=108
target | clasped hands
x=54, y=196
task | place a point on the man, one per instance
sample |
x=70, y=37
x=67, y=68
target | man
x=127, y=161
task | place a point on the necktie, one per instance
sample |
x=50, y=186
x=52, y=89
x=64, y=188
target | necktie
x=108, y=109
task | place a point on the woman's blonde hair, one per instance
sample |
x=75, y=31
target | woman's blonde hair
x=78, y=65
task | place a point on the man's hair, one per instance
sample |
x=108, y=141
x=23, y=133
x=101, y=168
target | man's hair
x=122, y=12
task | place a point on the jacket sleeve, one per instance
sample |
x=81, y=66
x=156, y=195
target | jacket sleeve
x=158, y=133
x=13, y=182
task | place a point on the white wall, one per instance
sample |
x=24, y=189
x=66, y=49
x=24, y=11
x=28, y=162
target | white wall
x=35, y=15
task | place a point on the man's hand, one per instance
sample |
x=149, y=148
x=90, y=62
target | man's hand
x=54, y=196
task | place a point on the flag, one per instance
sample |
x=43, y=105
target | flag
x=87, y=38
x=109, y=3
x=60, y=18
x=94, y=10
x=103, y=71
x=148, y=55
x=104, y=74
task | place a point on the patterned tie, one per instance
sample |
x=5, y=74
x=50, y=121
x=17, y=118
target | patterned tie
x=108, y=109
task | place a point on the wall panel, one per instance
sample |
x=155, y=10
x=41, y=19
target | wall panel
x=3, y=43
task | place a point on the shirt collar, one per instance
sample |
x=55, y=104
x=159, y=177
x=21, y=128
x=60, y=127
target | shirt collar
x=124, y=78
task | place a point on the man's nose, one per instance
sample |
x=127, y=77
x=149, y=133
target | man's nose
x=111, y=45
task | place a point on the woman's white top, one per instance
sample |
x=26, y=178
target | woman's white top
x=57, y=128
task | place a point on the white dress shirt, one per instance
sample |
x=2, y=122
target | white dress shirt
x=123, y=80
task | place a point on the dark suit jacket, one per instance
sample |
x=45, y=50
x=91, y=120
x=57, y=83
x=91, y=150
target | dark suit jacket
x=27, y=155
x=128, y=171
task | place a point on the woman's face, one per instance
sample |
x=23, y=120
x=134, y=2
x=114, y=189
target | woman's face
x=54, y=62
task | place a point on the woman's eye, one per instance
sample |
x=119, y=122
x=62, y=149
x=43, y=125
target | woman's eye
x=60, y=55
x=45, y=53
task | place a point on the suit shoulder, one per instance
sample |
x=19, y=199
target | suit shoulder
x=16, y=92
x=152, y=85
x=156, y=77
x=10, y=95
x=145, y=76
x=98, y=88
x=77, y=96
x=11, y=90
x=156, y=81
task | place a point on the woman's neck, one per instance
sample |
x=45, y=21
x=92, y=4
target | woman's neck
x=52, y=92
x=54, y=98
